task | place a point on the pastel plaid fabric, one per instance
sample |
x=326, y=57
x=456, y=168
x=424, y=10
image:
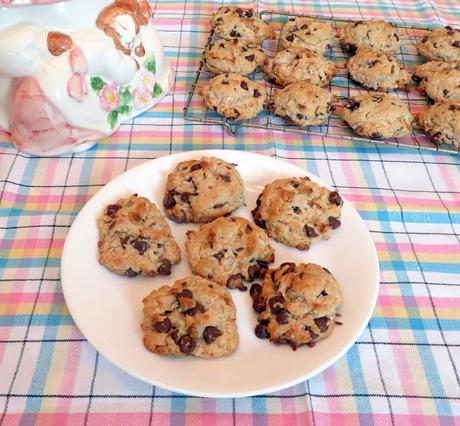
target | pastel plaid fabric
x=404, y=368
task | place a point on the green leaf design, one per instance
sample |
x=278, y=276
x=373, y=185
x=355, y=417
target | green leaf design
x=157, y=90
x=112, y=118
x=123, y=109
x=97, y=84
x=150, y=63
x=125, y=96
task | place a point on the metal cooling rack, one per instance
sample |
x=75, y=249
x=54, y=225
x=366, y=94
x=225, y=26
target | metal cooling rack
x=341, y=86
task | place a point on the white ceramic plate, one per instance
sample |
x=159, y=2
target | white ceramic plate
x=108, y=308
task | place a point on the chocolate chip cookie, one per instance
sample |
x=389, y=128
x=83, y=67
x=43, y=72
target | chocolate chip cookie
x=230, y=22
x=302, y=103
x=307, y=32
x=422, y=72
x=375, y=34
x=234, y=56
x=442, y=44
x=297, y=211
x=202, y=190
x=442, y=122
x=443, y=84
x=228, y=251
x=134, y=239
x=377, y=70
x=377, y=116
x=233, y=96
x=297, y=304
x=193, y=317
x=296, y=64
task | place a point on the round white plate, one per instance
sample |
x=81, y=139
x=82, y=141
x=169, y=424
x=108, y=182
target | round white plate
x=107, y=308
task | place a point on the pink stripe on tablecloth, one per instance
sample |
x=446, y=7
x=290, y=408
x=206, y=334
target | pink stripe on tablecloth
x=420, y=248
x=21, y=297
x=422, y=302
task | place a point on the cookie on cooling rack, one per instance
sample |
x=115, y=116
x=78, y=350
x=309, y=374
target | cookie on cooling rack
x=194, y=317
x=374, y=34
x=234, y=56
x=230, y=22
x=441, y=44
x=202, y=190
x=297, y=304
x=228, y=250
x=442, y=122
x=377, y=116
x=307, y=32
x=443, y=84
x=134, y=239
x=428, y=68
x=297, y=211
x=296, y=64
x=233, y=96
x=377, y=70
x=302, y=103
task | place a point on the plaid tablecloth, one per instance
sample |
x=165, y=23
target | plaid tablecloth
x=404, y=368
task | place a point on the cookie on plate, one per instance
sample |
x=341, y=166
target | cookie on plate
x=194, y=317
x=233, y=96
x=134, y=239
x=307, y=32
x=377, y=70
x=202, y=190
x=302, y=103
x=442, y=85
x=377, y=116
x=297, y=211
x=442, y=122
x=297, y=304
x=228, y=250
x=296, y=64
x=442, y=44
x=230, y=22
x=234, y=56
x=375, y=34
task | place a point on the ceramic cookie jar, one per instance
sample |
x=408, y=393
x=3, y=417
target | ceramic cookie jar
x=72, y=71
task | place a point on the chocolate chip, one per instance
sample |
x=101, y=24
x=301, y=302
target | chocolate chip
x=445, y=92
x=124, y=241
x=112, y=210
x=322, y=323
x=456, y=43
x=310, y=231
x=437, y=138
x=376, y=135
x=282, y=317
x=357, y=23
x=261, y=331
x=334, y=223
x=396, y=36
x=323, y=293
x=253, y=272
x=225, y=178
x=218, y=205
x=352, y=104
x=448, y=27
x=244, y=85
x=296, y=209
x=187, y=344
x=304, y=27
x=276, y=303
x=352, y=47
x=290, y=38
x=211, y=333
x=263, y=264
x=185, y=197
x=219, y=255
x=236, y=112
x=141, y=246
x=260, y=222
x=451, y=32
x=314, y=336
x=290, y=267
x=299, y=116
x=259, y=304
x=255, y=291
x=416, y=78
x=239, y=11
x=235, y=281
x=163, y=326
x=130, y=273
x=335, y=198
x=256, y=93
x=165, y=267
x=234, y=33
x=294, y=183
x=174, y=336
x=169, y=201
x=185, y=293
x=196, y=166
x=454, y=108
x=250, y=58
x=197, y=309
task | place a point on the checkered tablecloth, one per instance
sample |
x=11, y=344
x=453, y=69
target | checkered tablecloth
x=404, y=368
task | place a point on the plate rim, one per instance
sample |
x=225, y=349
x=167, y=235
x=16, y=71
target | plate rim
x=180, y=156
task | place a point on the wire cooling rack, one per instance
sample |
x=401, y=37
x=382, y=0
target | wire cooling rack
x=341, y=86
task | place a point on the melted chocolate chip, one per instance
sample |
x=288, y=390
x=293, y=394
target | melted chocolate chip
x=294, y=183
x=310, y=231
x=253, y=272
x=290, y=37
x=352, y=47
x=296, y=209
x=259, y=222
x=300, y=116
x=225, y=178
x=454, y=108
x=322, y=323
x=256, y=93
x=250, y=58
x=211, y=333
x=335, y=198
x=445, y=92
x=244, y=85
x=263, y=264
x=197, y=309
x=141, y=246
x=165, y=267
x=261, y=331
x=352, y=104
x=259, y=304
x=219, y=255
x=276, y=303
x=187, y=344
x=416, y=78
x=290, y=267
x=112, y=210
x=456, y=43
x=255, y=291
x=163, y=326
x=196, y=166
x=235, y=281
x=174, y=336
x=185, y=293
x=282, y=317
x=334, y=223
x=124, y=241
x=130, y=273
x=169, y=201
x=234, y=33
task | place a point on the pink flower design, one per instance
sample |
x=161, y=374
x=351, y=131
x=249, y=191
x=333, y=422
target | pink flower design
x=142, y=97
x=147, y=79
x=109, y=97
